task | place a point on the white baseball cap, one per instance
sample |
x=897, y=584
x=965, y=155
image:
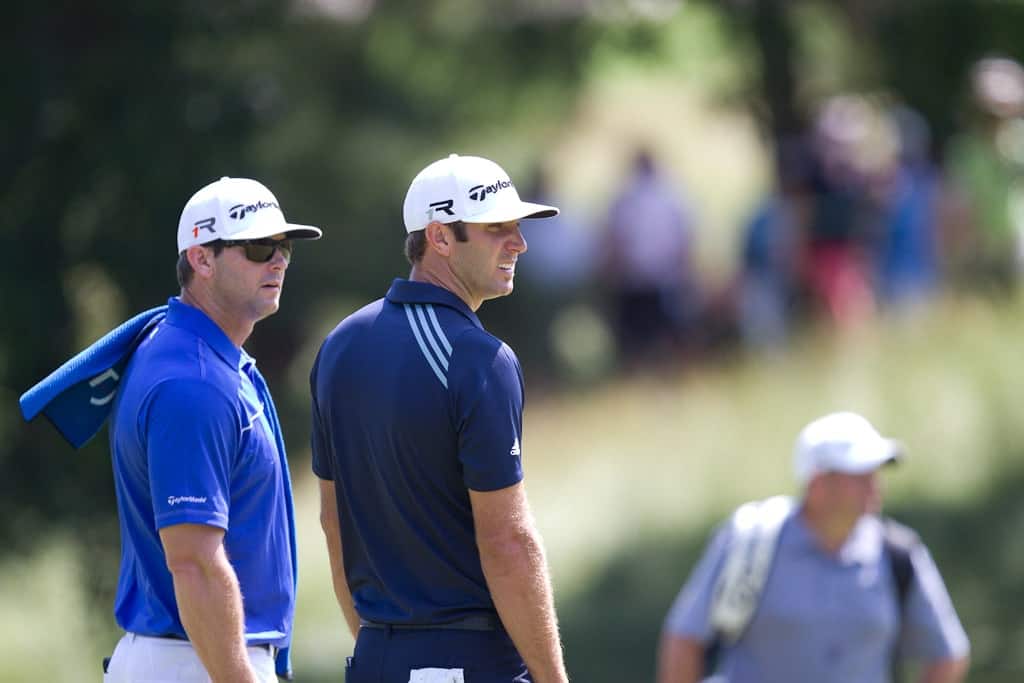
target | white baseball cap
x=842, y=442
x=236, y=209
x=470, y=189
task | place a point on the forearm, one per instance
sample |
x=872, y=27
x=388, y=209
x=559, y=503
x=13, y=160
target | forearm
x=210, y=607
x=945, y=671
x=341, y=591
x=680, y=660
x=517, y=576
x=331, y=526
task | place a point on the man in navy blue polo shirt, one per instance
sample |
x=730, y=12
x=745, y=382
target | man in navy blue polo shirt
x=206, y=585
x=807, y=591
x=417, y=440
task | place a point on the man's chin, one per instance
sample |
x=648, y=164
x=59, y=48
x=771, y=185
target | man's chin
x=269, y=308
x=503, y=289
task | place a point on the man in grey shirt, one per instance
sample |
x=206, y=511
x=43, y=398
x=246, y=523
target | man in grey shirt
x=826, y=607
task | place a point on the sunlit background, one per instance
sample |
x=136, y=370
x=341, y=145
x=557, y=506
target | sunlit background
x=831, y=218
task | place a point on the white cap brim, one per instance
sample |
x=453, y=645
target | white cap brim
x=886, y=452
x=292, y=231
x=891, y=452
x=514, y=212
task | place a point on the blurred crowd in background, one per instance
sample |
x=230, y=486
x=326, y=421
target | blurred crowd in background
x=878, y=156
x=867, y=216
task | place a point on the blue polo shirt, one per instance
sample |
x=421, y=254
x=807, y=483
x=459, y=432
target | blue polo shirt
x=195, y=439
x=414, y=403
x=825, y=617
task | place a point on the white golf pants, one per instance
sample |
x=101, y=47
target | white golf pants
x=141, y=659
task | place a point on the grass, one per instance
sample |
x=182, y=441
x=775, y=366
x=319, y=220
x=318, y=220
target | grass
x=645, y=457
x=47, y=633
x=676, y=453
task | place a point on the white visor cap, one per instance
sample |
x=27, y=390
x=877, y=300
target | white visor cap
x=466, y=188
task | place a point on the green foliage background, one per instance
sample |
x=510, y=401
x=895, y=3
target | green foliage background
x=115, y=112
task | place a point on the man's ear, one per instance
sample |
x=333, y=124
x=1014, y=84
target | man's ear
x=439, y=237
x=201, y=260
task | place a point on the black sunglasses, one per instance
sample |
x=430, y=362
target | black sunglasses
x=261, y=250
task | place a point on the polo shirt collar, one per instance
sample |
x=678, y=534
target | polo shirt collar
x=409, y=292
x=863, y=546
x=191, y=319
x=865, y=542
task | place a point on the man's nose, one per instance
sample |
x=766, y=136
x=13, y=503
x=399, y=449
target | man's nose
x=278, y=260
x=519, y=242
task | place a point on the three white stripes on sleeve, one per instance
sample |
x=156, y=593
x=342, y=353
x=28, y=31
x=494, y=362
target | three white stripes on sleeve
x=431, y=338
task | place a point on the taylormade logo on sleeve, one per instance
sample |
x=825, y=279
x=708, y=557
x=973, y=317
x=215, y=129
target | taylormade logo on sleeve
x=174, y=500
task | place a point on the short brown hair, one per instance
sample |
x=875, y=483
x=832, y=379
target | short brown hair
x=416, y=242
x=184, y=268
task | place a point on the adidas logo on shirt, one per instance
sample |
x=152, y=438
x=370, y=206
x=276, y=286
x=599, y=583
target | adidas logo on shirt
x=515, y=448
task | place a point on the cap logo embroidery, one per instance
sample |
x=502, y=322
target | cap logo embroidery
x=480, y=192
x=239, y=211
x=445, y=206
x=205, y=224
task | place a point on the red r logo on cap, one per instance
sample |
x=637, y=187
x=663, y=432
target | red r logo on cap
x=205, y=224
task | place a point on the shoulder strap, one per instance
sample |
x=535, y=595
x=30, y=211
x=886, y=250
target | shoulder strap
x=899, y=541
x=755, y=528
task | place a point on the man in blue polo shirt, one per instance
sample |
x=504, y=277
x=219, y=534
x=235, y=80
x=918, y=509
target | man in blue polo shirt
x=206, y=585
x=807, y=591
x=417, y=439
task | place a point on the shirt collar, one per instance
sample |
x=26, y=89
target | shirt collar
x=190, y=318
x=246, y=362
x=863, y=546
x=409, y=292
x=865, y=542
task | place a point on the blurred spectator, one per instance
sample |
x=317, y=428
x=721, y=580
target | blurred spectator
x=906, y=267
x=819, y=588
x=649, y=264
x=986, y=164
x=836, y=266
x=855, y=218
x=769, y=280
x=562, y=254
x=555, y=272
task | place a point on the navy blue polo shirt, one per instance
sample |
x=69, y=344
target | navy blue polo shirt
x=194, y=439
x=414, y=403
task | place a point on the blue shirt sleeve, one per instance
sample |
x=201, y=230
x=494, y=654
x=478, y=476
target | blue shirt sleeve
x=689, y=616
x=931, y=629
x=191, y=432
x=488, y=399
x=321, y=460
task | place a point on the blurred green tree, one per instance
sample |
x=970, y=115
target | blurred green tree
x=919, y=51
x=116, y=112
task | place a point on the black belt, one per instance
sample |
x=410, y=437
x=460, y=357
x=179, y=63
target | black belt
x=174, y=636
x=476, y=622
